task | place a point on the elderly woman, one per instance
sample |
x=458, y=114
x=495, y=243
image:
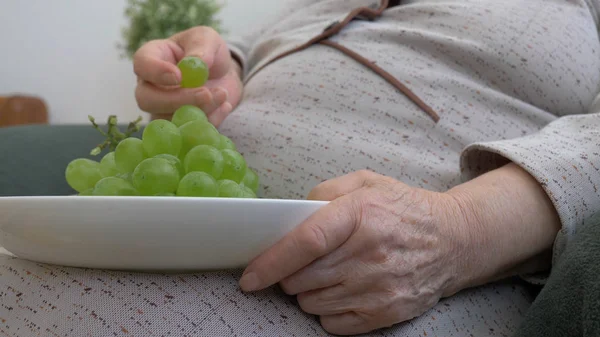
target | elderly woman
x=456, y=141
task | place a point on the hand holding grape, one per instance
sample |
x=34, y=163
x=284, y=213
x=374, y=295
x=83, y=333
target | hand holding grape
x=161, y=88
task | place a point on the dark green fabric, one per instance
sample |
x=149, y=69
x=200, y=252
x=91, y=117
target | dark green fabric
x=34, y=158
x=569, y=304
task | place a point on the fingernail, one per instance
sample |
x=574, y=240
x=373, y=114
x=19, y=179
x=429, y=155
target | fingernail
x=250, y=282
x=169, y=78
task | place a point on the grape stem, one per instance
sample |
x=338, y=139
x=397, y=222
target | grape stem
x=113, y=134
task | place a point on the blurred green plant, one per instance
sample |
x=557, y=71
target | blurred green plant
x=159, y=19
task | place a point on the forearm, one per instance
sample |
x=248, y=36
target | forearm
x=510, y=225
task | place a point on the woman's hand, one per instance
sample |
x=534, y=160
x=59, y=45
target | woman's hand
x=382, y=252
x=158, y=91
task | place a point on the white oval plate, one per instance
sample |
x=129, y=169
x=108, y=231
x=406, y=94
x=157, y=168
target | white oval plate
x=168, y=234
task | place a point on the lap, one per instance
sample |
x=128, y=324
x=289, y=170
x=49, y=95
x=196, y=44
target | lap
x=68, y=301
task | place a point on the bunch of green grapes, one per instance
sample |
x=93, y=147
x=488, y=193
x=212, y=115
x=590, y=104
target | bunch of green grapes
x=184, y=157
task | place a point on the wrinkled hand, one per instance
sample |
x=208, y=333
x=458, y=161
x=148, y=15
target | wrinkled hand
x=379, y=254
x=158, y=91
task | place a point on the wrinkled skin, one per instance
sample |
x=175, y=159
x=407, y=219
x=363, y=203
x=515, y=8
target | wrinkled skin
x=380, y=253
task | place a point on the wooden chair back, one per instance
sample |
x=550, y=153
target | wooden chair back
x=22, y=110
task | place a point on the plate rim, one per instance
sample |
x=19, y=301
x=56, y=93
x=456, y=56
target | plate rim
x=161, y=198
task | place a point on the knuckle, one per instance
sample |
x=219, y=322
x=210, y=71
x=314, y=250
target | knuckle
x=368, y=177
x=314, y=241
x=210, y=30
x=199, y=32
x=365, y=174
x=194, y=31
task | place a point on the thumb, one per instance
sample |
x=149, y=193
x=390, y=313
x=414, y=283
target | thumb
x=320, y=234
x=338, y=187
x=206, y=44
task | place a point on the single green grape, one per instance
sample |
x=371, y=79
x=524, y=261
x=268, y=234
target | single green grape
x=194, y=72
x=204, y=158
x=161, y=137
x=155, y=175
x=229, y=189
x=175, y=161
x=198, y=184
x=226, y=143
x=128, y=154
x=246, y=192
x=234, y=167
x=196, y=133
x=108, y=166
x=82, y=174
x=251, y=179
x=87, y=193
x=113, y=186
x=188, y=113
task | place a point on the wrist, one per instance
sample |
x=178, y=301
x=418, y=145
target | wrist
x=505, y=224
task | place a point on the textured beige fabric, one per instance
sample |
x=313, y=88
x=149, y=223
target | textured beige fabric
x=510, y=79
x=498, y=73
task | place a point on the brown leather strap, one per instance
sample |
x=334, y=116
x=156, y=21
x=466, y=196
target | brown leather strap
x=336, y=27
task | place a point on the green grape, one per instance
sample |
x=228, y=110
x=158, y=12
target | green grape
x=126, y=176
x=108, y=166
x=251, y=179
x=196, y=133
x=188, y=113
x=194, y=72
x=82, y=174
x=226, y=143
x=128, y=154
x=161, y=137
x=246, y=192
x=113, y=186
x=87, y=193
x=155, y=175
x=198, y=184
x=229, y=189
x=235, y=166
x=175, y=161
x=204, y=158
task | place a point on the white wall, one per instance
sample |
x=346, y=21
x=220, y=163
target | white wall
x=64, y=51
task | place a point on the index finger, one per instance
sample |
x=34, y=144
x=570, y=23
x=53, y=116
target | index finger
x=206, y=44
x=319, y=235
x=155, y=62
